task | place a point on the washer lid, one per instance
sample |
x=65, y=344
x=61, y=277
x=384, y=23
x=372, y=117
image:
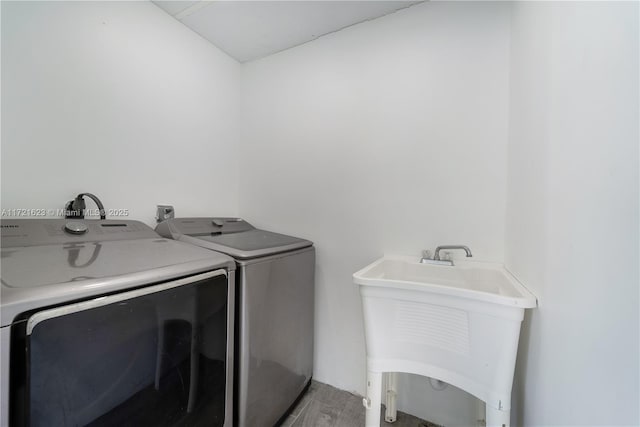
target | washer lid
x=254, y=243
x=232, y=236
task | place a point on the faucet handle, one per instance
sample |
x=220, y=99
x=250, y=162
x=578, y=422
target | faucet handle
x=427, y=254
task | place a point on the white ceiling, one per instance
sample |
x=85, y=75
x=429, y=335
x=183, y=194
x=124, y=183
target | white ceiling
x=249, y=30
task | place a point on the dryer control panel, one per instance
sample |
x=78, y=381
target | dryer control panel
x=36, y=232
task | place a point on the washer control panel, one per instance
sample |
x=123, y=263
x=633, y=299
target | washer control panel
x=204, y=226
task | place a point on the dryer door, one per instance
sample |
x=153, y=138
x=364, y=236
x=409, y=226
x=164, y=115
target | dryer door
x=155, y=356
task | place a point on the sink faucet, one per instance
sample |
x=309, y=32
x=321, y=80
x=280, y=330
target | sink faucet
x=436, y=256
x=427, y=259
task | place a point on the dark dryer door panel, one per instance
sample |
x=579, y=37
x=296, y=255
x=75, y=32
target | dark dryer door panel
x=155, y=356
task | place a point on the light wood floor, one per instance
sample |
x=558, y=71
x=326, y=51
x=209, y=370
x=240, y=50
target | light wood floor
x=326, y=406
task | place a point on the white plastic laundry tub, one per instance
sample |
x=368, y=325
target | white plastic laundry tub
x=458, y=324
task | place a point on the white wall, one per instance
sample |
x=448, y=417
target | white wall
x=572, y=212
x=389, y=136
x=118, y=99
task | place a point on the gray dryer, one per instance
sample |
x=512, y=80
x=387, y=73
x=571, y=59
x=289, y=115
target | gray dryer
x=274, y=311
x=106, y=323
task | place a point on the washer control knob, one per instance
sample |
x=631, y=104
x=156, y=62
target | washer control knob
x=75, y=227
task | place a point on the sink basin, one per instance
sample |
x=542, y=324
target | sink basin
x=458, y=324
x=467, y=279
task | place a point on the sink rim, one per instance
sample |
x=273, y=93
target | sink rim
x=525, y=300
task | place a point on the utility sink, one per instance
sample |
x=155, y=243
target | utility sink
x=458, y=324
x=467, y=279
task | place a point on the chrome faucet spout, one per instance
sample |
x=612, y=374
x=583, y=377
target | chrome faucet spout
x=436, y=255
